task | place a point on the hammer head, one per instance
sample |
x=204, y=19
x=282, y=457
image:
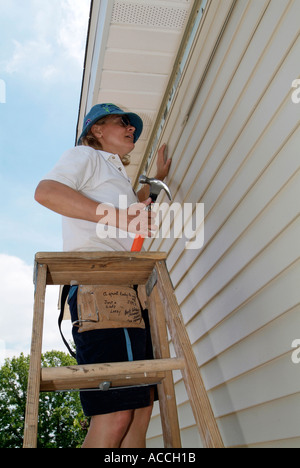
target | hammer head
x=155, y=187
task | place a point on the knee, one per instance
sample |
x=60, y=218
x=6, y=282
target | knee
x=108, y=430
x=121, y=423
x=142, y=418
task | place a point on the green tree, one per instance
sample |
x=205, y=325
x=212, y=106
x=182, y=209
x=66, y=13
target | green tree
x=62, y=423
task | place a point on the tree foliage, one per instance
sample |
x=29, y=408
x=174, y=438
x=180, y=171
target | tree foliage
x=62, y=423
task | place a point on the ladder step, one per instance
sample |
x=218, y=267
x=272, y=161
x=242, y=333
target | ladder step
x=122, y=268
x=120, y=374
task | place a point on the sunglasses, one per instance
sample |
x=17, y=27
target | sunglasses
x=125, y=120
x=121, y=119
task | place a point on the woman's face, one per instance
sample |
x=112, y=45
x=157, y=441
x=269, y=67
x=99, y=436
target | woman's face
x=116, y=135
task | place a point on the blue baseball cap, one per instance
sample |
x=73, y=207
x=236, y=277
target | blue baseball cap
x=103, y=110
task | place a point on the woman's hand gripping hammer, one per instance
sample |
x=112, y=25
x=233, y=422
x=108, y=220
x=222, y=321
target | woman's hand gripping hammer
x=155, y=188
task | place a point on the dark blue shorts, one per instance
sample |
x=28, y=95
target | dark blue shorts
x=112, y=345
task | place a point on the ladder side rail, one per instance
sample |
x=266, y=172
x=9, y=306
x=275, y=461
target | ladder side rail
x=166, y=390
x=33, y=389
x=195, y=388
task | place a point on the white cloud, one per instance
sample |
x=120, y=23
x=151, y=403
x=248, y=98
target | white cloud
x=29, y=56
x=16, y=298
x=57, y=40
x=74, y=27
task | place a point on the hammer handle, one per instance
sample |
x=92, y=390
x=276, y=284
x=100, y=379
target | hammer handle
x=137, y=244
x=139, y=240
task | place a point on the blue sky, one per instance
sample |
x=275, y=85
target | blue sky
x=41, y=64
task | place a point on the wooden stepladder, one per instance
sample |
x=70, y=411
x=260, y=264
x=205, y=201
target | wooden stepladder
x=121, y=268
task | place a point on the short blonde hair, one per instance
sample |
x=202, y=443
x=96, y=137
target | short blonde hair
x=91, y=140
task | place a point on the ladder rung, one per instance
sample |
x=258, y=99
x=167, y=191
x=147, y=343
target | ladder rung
x=115, y=381
x=119, y=374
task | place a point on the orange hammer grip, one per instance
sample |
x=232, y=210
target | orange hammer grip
x=137, y=244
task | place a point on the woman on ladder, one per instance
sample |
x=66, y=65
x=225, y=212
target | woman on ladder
x=85, y=188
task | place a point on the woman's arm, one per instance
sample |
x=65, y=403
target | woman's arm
x=68, y=202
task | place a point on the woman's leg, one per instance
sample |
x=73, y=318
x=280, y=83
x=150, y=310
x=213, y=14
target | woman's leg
x=108, y=430
x=124, y=429
x=136, y=434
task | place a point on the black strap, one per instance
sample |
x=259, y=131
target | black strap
x=135, y=287
x=64, y=295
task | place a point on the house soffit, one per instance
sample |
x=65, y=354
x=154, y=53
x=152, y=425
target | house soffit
x=131, y=52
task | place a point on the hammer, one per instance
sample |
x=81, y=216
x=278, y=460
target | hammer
x=156, y=186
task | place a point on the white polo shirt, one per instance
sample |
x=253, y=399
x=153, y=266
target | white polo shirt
x=101, y=177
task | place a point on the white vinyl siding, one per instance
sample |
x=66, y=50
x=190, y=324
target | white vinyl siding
x=238, y=153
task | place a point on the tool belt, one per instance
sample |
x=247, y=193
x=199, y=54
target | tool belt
x=102, y=307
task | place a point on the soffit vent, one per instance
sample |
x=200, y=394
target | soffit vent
x=153, y=16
